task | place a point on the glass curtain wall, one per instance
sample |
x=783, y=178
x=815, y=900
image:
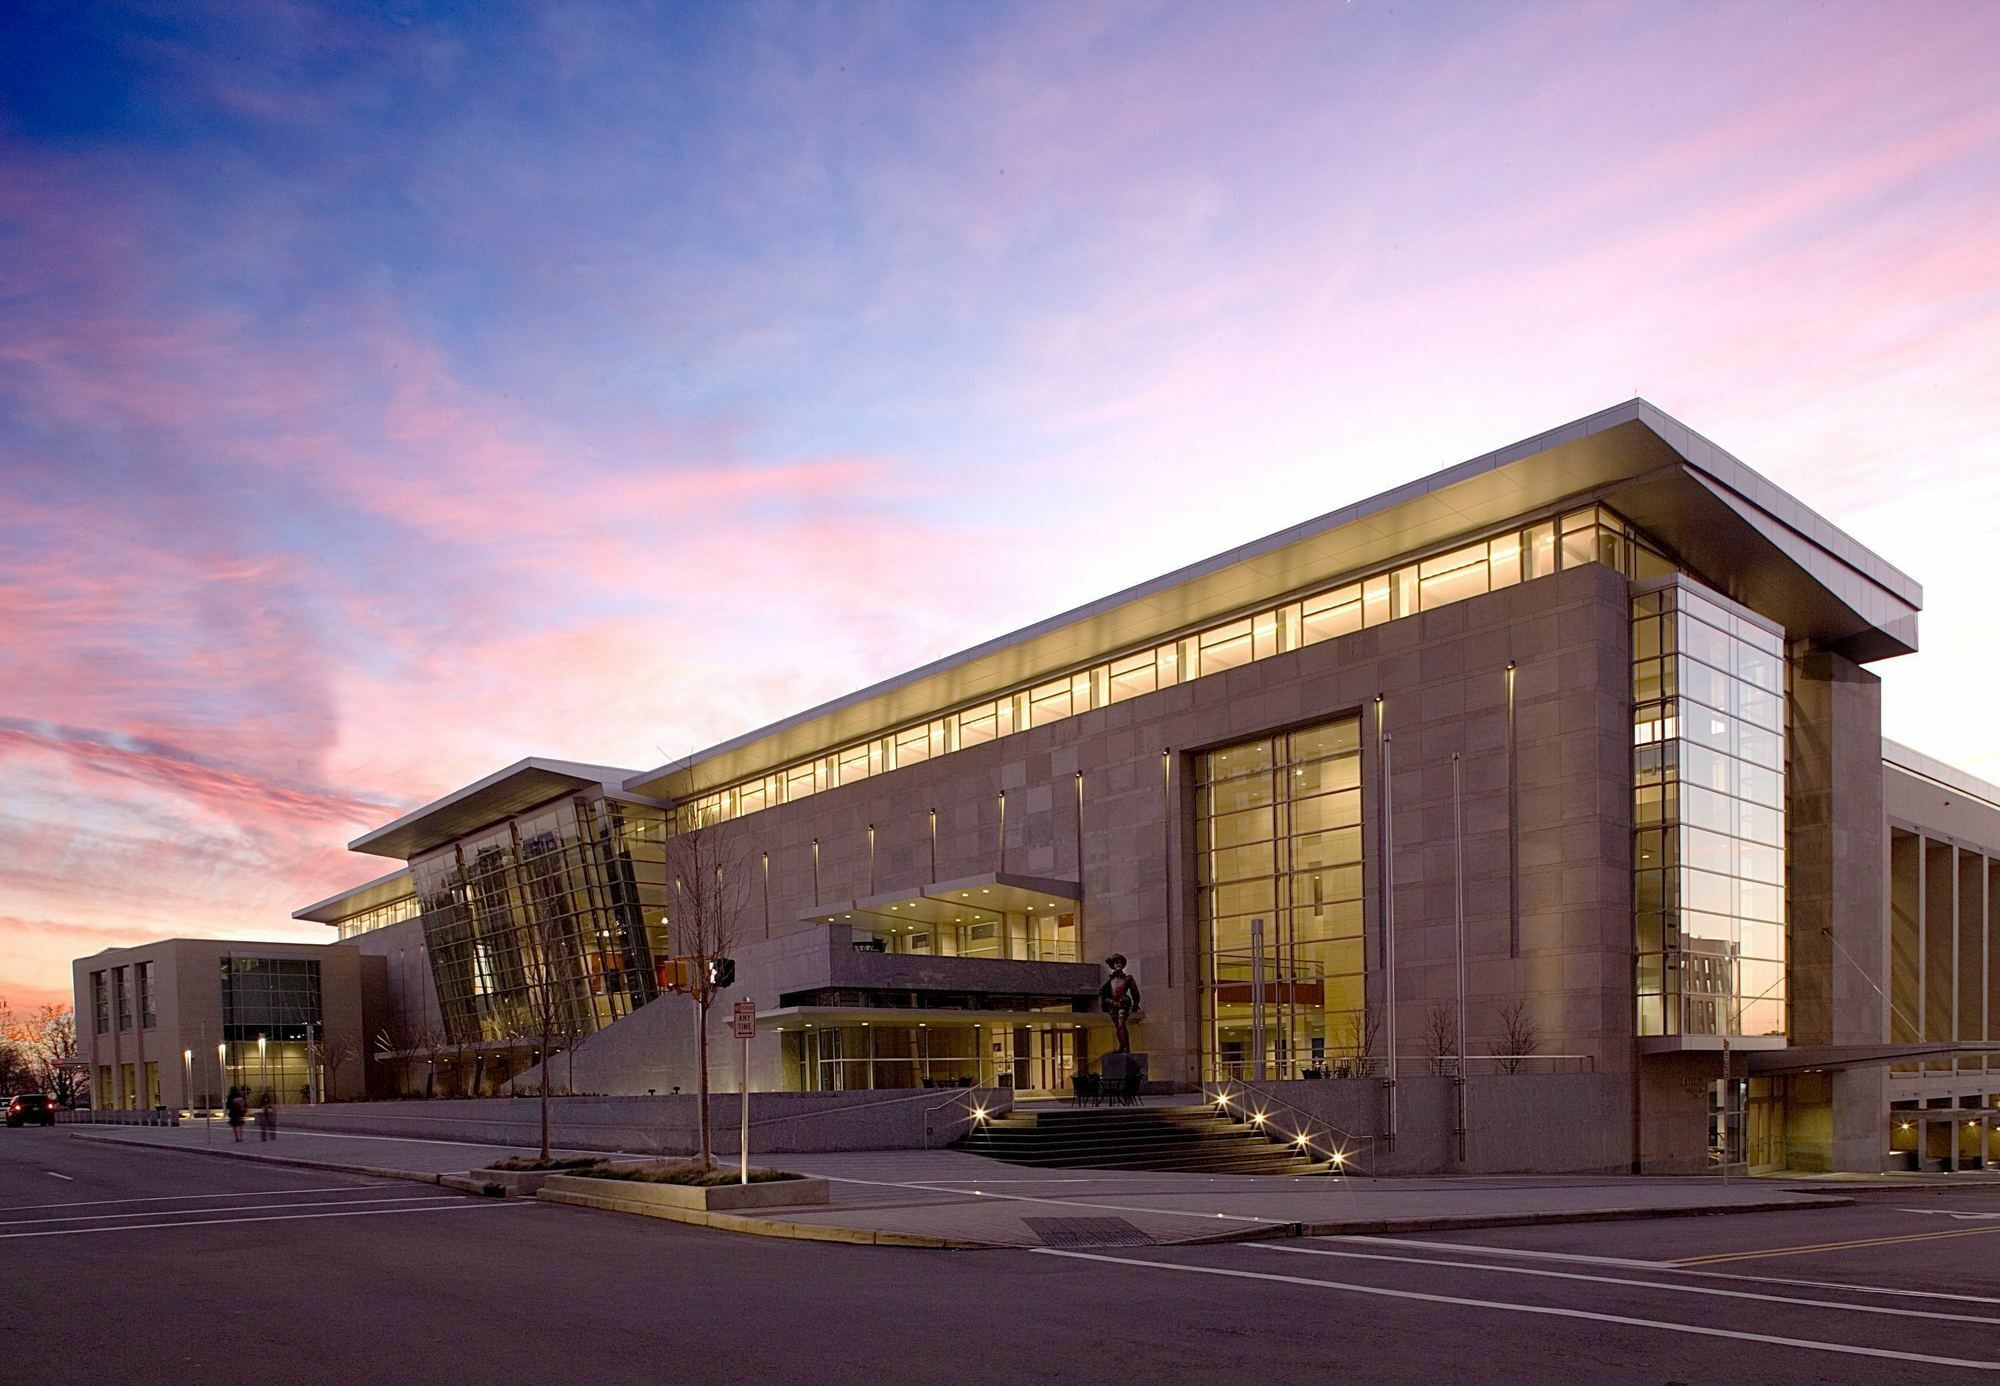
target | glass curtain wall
x=1708, y=816
x=847, y=1057
x=566, y=893
x=270, y=1007
x=1278, y=838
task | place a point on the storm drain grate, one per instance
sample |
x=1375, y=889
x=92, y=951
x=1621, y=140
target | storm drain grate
x=1087, y=1232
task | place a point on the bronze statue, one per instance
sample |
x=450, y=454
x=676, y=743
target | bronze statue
x=1119, y=999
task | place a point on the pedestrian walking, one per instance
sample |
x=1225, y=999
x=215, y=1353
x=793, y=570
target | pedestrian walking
x=267, y=1118
x=238, y=1108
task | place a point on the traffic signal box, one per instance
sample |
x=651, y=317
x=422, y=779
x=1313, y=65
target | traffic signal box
x=680, y=974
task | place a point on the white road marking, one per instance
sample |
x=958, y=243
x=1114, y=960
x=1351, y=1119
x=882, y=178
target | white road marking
x=1666, y=1286
x=1626, y=1262
x=435, y=1207
x=1059, y=1202
x=1950, y=1213
x=249, y=1208
x=183, y=1198
x=1668, y=1267
x=1546, y=1311
x=66, y=1178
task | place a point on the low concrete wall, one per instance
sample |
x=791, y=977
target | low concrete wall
x=713, y=1198
x=112, y=1116
x=892, y=1119
x=1545, y=1123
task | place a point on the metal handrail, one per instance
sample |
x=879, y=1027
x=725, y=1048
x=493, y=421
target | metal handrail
x=1338, y=1146
x=978, y=1114
x=958, y=1094
x=1445, y=1065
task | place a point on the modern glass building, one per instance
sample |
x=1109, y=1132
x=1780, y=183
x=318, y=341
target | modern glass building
x=1555, y=778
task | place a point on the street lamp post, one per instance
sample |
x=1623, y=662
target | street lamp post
x=187, y=1080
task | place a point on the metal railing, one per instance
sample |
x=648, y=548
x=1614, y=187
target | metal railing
x=1411, y=1065
x=120, y=1116
x=978, y=1103
x=1299, y=1128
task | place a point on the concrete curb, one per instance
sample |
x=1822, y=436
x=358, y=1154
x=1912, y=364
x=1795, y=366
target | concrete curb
x=760, y=1227
x=453, y=1181
x=860, y=1236
x=1375, y=1227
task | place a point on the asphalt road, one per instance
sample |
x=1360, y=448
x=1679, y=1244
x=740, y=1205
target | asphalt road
x=127, y=1265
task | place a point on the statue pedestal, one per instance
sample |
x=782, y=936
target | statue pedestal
x=1116, y=1067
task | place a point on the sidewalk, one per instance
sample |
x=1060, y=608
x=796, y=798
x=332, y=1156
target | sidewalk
x=947, y=1198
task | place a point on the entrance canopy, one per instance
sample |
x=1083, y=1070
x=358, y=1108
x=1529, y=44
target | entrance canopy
x=1810, y=1057
x=969, y=900
x=789, y=1018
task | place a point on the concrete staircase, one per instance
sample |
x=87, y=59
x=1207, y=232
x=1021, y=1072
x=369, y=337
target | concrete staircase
x=1188, y=1139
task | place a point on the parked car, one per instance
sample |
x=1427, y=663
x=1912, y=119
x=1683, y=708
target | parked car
x=31, y=1108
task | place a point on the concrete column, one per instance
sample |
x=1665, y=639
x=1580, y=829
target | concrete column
x=1835, y=837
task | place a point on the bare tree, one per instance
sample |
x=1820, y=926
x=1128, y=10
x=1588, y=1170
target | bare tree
x=334, y=1050
x=422, y=1038
x=544, y=1013
x=1519, y=1038
x=1441, y=1036
x=1361, y=1031
x=42, y=1046
x=710, y=890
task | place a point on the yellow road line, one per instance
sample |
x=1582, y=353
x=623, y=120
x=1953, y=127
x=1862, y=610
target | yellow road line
x=1832, y=1246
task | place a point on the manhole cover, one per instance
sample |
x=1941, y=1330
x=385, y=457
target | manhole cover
x=1087, y=1232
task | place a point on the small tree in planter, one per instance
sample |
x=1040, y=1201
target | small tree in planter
x=1441, y=1036
x=1519, y=1038
x=709, y=893
x=334, y=1051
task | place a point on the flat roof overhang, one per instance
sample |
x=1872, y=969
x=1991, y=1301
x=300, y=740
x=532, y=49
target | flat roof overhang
x=810, y=1017
x=968, y=900
x=1807, y=1058
x=1709, y=1044
x=1759, y=544
x=524, y=785
x=383, y=890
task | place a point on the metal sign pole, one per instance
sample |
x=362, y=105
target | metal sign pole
x=744, y=1018
x=1257, y=996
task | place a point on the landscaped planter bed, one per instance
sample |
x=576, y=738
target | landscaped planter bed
x=713, y=1198
x=525, y=1182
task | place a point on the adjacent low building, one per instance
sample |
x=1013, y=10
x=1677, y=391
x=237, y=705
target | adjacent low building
x=180, y=1022
x=1532, y=815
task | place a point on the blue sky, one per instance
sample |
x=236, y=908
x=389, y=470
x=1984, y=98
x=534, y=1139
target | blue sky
x=390, y=392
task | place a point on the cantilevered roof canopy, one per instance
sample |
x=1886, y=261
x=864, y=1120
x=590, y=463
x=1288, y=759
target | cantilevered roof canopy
x=969, y=901
x=1756, y=543
x=502, y=794
x=397, y=885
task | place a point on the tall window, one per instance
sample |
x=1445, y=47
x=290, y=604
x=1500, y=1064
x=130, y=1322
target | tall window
x=1278, y=836
x=147, y=1018
x=122, y=980
x=1708, y=816
x=100, y=1005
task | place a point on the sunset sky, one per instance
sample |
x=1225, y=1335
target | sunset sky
x=390, y=392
